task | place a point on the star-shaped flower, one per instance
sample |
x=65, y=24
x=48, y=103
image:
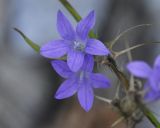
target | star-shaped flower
x=74, y=43
x=143, y=70
x=82, y=81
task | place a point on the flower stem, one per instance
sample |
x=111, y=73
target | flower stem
x=72, y=11
x=126, y=32
x=75, y=15
x=151, y=117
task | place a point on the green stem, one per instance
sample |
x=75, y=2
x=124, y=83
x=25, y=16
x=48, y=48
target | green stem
x=72, y=11
x=151, y=117
x=75, y=14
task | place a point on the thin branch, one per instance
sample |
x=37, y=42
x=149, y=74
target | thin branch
x=117, y=54
x=125, y=32
x=103, y=99
x=117, y=122
x=129, y=55
x=117, y=91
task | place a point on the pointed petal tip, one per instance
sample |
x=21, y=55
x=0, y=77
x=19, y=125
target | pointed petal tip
x=57, y=97
x=59, y=12
x=54, y=63
x=86, y=97
x=54, y=49
x=92, y=12
x=87, y=109
x=100, y=81
x=139, y=69
x=67, y=89
x=96, y=47
x=61, y=68
x=85, y=25
x=128, y=66
x=43, y=53
x=64, y=27
x=107, y=51
x=157, y=61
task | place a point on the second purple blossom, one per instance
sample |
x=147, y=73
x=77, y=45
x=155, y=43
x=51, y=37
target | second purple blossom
x=142, y=70
x=82, y=81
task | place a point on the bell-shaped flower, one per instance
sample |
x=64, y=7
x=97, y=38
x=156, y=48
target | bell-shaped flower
x=82, y=81
x=74, y=43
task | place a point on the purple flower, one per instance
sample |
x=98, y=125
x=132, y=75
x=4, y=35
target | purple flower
x=151, y=95
x=74, y=43
x=143, y=70
x=82, y=81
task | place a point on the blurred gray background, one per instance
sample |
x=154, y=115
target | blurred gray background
x=27, y=80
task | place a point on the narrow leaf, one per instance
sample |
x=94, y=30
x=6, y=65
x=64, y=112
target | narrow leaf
x=33, y=45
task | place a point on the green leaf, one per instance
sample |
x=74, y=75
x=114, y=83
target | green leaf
x=33, y=45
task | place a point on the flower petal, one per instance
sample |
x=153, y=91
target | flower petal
x=88, y=63
x=67, y=89
x=85, y=25
x=152, y=95
x=62, y=68
x=64, y=27
x=139, y=69
x=85, y=96
x=96, y=47
x=99, y=80
x=157, y=62
x=75, y=60
x=154, y=79
x=54, y=49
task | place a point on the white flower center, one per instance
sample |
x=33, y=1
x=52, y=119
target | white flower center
x=81, y=77
x=79, y=45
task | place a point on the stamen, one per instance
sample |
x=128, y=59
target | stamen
x=79, y=45
x=81, y=75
